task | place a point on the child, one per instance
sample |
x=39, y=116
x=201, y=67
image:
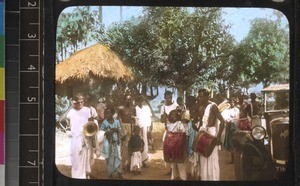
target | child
x=112, y=142
x=178, y=169
x=136, y=147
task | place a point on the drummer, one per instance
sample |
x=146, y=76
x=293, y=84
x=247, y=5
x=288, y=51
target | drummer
x=167, y=107
x=175, y=125
x=165, y=110
x=208, y=116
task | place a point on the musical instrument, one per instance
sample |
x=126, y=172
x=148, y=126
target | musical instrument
x=244, y=124
x=174, y=147
x=90, y=129
x=204, y=143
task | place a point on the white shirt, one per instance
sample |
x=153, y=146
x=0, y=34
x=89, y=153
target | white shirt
x=168, y=108
x=176, y=127
x=231, y=114
x=143, y=116
x=77, y=119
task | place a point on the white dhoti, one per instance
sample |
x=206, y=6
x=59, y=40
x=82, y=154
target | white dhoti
x=79, y=158
x=210, y=169
x=136, y=161
x=178, y=170
x=145, y=154
x=194, y=165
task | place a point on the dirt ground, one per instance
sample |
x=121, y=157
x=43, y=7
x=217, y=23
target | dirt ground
x=156, y=169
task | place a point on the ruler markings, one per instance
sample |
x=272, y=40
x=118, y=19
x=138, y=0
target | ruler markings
x=32, y=163
x=12, y=45
x=29, y=71
x=13, y=12
x=27, y=166
x=33, y=119
x=29, y=135
x=32, y=36
x=29, y=103
x=23, y=39
x=29, y=8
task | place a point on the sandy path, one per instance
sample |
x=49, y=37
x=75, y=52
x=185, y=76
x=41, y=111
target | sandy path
x=156, y=166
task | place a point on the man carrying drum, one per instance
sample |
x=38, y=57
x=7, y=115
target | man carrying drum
x=208, y=116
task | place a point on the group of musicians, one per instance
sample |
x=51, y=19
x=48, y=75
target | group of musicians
x=199, y=115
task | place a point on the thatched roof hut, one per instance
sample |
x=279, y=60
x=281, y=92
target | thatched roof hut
x=96, y=61
x=93, y=64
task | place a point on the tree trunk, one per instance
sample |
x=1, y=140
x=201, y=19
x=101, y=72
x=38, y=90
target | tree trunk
x=188, y=91
x=180, y=91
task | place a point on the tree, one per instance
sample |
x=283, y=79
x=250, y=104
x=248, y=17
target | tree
x=264, y=53
x=77, y=29
x=172, y=46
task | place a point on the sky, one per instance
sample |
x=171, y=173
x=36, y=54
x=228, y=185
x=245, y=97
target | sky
x=238, y=18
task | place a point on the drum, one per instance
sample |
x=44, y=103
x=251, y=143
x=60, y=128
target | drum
x=244, y=124
x=204, y=144
x=174, y=147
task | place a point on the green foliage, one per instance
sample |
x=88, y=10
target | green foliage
x=184, y=47
x=264, y=53
x=173, y=46
x=61, y=105
x=76, y=29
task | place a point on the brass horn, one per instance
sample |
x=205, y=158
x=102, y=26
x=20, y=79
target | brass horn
x=90, y=129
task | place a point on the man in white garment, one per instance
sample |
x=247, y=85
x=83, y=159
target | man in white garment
x=167, y=107
x=179, y=170
x=208, y=115
x=231, y=116
x=79, y=115
x=143, y=114
x=165, y=110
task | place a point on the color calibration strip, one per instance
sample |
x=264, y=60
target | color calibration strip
x=2, y=95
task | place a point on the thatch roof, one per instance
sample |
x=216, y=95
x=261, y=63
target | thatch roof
x=97, y=61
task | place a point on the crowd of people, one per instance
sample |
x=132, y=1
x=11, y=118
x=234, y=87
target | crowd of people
x=122, y=134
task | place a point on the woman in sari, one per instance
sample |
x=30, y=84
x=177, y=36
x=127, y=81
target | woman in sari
x=112, y=143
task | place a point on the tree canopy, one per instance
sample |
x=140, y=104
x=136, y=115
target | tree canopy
x=184, y=47
x=264, y=54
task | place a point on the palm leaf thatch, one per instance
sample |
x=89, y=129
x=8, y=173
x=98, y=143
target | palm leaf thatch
x=94, y=62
